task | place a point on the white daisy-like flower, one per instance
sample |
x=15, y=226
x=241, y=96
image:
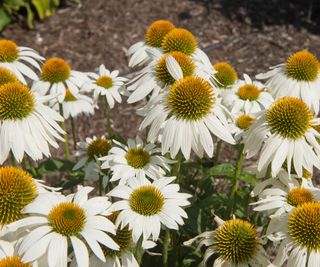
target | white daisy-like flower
x=298, y=236
x=285, y=133
x=225, y=77
x=146, y=206
x=9, y=256
x=154, y=37
x=107, y=84
x=90, y=151
x=55, y=221
x=56, y=77
x=298, y=77
x=76, y=104
x=18, y=59
x=17, y=190
x=247, y=96
x=135, y=160
x=26, y=124
x=185, y=116
x=117, y=258
x=235, y=242
x=240, y=124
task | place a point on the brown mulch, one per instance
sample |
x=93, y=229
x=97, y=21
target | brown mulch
x=252, y=35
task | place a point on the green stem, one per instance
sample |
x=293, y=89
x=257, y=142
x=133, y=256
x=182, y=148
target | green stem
x=218, y=150
x=108, y=121
x=63, y=126
x=176, y=167
x=165, y=250
x=237, y=174
x=74, y=136
x=138, y=251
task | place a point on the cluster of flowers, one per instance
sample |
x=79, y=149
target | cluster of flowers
x=190, y=105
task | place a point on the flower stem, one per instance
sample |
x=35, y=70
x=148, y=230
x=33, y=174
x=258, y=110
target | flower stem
x=237, y=174
x=74, y=136
x=63, y=126
x=108, y=121
x=217, y=157
x=138, y=251
x=176, y=167
x=166, y=243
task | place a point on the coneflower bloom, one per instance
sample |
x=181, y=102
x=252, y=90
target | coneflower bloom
x=225, y=77
x=298, y=77
x=9, y=256
x=240, y=124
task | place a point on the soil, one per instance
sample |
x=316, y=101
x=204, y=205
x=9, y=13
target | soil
x=250, y=34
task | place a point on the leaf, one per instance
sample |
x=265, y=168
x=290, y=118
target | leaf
x=5, y=18
x=44, y=7
x=249, y=178
x=55, y=165
x=224, y=169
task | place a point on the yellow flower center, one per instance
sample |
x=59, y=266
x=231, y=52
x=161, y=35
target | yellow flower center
x=298, y=196
x=123, y=238
x=304, y=226
x=13, y=261
x=67, y=218
x=289, y=117
x=16, y=101
x=244, y=121
x=186, y=64
x=6, y=76
x=146, y=200
x=179, y=40
x=104, y=81
x=17, y=190
x=226, y=74
x=9, y=51
x=69, y=96
x=55, y=70
x=157, y=31
x=98, y=148
x=236, y=241
x=137, y=157
x=249, y=92
x=191, y=98
x=303, y=66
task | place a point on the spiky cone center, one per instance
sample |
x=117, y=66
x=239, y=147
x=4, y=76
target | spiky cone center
x=180, y=40
x=303, y=66
x=123, y=238
x=304, y=225
x=16, y=101
x=17, y=190
x=137, y=157
x=186, y=64
x=226, y=74
x=55, y=70
x=298, y=195
x=289, y=117
x=191, y=98
x=146, y=200
x=69, y=97
x=13, y=261
x=67, y=218
x=9, y=52
x=104, y=81
x=244, y=121
x=7, y=76
x=99, y=147
x=249, y=92
x=236, y=241
x=157, y=31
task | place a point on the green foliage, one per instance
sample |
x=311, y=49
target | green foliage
x=42, y=8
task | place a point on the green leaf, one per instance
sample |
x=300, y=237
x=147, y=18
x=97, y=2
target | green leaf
x=249, y=178
x=44, y=7
x=55, y=165
x=224, y=169
x=5, y=18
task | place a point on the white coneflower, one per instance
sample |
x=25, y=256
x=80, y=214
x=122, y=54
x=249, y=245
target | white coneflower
x=56, y=77
x=107, y=84
x=76, y=104
x=135, y=160
x=225, y=77
x=247, y=96
x=185, y=116
x=154, y=37
x=117, y=258
x=146, y=206
x=7, y=76
x=18, y=59
x=286, y=134
x=240, y=124
x=26, y=124
x=298, y=77
x=90, y=151
x=235, y=242
x=55, y=221
x=298, y=236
